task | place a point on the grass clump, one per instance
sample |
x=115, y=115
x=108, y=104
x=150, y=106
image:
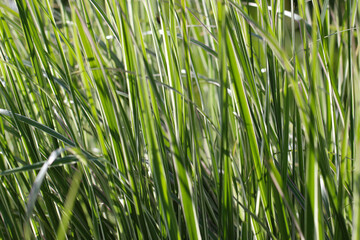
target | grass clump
x=180, y=119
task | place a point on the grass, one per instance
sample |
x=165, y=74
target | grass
x=179, y=119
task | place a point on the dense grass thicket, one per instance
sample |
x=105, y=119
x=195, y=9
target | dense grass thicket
x=179, y=119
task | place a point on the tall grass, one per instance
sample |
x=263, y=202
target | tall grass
x=211, y=119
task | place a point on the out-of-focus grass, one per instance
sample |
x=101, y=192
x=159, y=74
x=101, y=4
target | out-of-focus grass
x=179, y=119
